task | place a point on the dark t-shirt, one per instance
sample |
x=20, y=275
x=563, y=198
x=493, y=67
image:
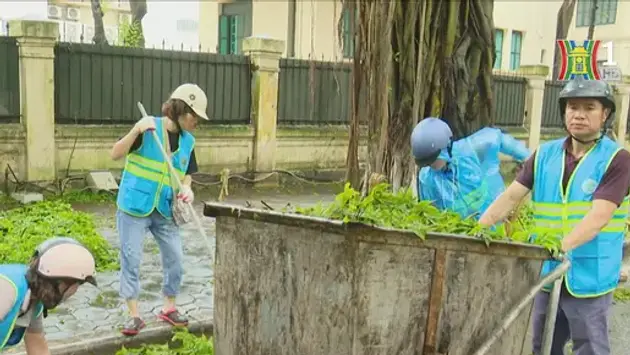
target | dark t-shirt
x=613, y=187
x=173, y=139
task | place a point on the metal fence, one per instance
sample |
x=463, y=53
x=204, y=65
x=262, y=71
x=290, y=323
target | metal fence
x=314, y=92
x=101, y=84
x=509, y=100
x=9, y=81
x=551, y=115
x=318, y=92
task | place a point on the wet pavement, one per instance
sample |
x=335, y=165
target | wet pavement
x=100, y=311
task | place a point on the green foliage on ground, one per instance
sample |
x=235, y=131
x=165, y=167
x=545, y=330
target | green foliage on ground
x=84, y=196
x=401, y=210
x=25, y=227
x=184, y=343
x=621, y=294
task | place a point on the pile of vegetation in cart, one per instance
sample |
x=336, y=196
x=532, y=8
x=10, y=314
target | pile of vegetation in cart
x=23, y=228
x=402, y=211
x=182, y=343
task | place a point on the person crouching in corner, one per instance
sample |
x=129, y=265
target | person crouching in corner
x=58, y=268
x=146, y=195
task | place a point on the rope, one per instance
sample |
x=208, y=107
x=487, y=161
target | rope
x=225, y=176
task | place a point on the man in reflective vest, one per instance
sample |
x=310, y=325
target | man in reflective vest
x=580, y=187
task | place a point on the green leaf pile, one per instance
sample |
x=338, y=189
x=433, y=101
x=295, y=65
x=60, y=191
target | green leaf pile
x=401, y=210
x=22, y=229
x=186, y=344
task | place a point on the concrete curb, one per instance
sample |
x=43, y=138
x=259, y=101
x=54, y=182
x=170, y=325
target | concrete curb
x=108, y=345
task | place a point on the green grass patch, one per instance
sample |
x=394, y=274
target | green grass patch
x=182, y=343
x=621, y=294
x=23, y=228
x=84, y=196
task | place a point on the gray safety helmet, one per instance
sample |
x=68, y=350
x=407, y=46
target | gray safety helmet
x=428, y=138
x=591, y=89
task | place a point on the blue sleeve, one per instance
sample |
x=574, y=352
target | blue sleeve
x=514, y=148
x=423, y=191
x=480, y=146
x=483, y=142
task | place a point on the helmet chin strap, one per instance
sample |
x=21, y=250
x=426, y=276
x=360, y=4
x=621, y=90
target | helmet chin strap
x=449, y=151
x=583, y=141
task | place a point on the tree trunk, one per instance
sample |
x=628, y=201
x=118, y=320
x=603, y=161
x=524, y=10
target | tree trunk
x=591, y=20
x=401, y=43
x=138, y=11
x=352, y=159
x=563, y=22
x=99, y=29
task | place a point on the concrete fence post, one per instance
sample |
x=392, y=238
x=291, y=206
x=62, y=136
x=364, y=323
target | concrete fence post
x=622, y=100
x=264, y=54
x=536, y=76
x=36, y=41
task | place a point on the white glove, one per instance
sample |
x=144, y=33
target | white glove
x=186, y=194
x=146, y=123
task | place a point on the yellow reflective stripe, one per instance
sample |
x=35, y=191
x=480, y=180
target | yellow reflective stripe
x=615, y=225
x=152, y=164
x=572, y=208
x=572, y=205
x=149, y=163
x=159, y=178
x=620, y=213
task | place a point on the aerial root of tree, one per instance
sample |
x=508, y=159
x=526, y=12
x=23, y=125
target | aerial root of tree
x=414, y=60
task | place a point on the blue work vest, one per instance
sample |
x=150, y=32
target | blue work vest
x=146, y=183
x=9, y=334
x=595, y=265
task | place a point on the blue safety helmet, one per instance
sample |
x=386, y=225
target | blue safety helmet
x=428, y=139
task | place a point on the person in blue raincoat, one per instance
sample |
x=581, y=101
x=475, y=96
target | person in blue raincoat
x=488, y=142
x=461, y=176
x=57, y=269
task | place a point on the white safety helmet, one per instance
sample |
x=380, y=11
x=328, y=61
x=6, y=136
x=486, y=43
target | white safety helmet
x=65, y=258
x=194, y=97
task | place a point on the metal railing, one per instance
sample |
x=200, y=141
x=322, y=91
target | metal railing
x=9, y=81
x=101, y=84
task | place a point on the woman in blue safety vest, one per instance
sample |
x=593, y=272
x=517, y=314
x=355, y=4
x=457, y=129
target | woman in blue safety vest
x=146, y=195
x=579, y=187
x=56, y=270
x=461, y=176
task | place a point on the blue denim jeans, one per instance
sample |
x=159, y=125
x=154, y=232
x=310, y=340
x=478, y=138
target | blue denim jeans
x=132, y=231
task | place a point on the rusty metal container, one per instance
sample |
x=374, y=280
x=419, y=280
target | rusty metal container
x=287, y=284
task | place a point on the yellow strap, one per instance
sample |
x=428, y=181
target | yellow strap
x=147, y=174
x=580, y=208
x=614, y=226
x=151, y=164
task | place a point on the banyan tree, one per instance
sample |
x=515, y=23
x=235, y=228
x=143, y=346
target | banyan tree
x=414, y=59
